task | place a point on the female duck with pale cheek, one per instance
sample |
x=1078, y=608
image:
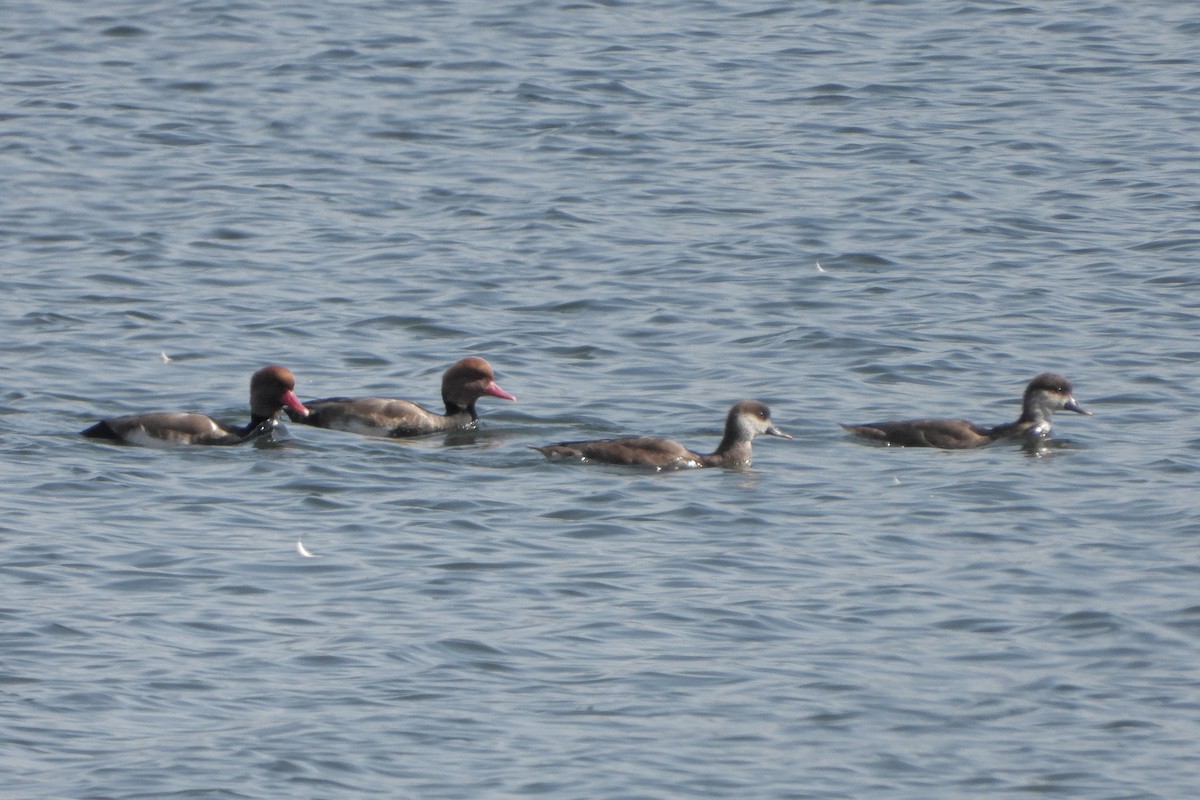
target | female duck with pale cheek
x=271, y=390
x=462, y=384
x=1044, y=395
x=747, y=419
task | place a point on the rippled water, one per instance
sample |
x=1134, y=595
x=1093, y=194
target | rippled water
x=640, y=213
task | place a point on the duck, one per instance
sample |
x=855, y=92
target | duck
x=746, y=419
x=466, y=381
x=272, y=389
x=1045, y=394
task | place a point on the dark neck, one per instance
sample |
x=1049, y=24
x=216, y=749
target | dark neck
x=256, y=420
x=453, y=409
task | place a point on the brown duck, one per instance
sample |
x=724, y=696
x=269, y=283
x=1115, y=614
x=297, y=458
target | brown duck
x=1044, y=395
x=747, y=419
x=271, y=389
x=462, y=384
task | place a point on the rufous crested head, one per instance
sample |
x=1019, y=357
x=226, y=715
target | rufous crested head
x=272, y=388
x=468, y=379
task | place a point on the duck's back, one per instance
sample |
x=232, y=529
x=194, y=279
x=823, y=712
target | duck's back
x=647, y=451
x=373, y=416
x=163, y=428
x=948, y=434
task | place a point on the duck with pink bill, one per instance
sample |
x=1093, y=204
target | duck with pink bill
x=465, y=382
x=271, y=390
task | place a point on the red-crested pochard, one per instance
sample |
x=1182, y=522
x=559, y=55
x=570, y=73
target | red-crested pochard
x=747, y=419
x=462, y=384
x=271, y=389
x=1044, y=395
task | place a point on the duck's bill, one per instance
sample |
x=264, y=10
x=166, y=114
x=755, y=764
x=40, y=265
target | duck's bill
x=290, y=400
x=773, y=431
x=1078, y=409
x=496, y=391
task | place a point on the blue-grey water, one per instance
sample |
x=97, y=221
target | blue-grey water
x=639, y=213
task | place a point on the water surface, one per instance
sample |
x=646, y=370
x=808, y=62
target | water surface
x=639, y=213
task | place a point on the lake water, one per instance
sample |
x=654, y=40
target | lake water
x=639, y=213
